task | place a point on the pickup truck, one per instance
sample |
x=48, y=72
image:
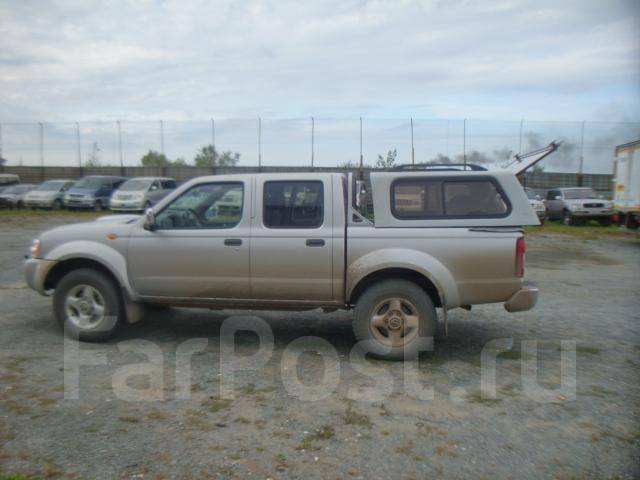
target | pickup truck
x=297, y=241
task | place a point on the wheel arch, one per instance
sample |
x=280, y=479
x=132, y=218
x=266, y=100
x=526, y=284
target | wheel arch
x=424, y=270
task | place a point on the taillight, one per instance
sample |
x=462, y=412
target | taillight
x=520, y=248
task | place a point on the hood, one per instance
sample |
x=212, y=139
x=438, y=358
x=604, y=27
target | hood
x=82, y=191
x=118, y=219
x=40, y=194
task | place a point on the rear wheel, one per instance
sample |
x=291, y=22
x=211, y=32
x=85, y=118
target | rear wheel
x=57, y=204
x=87, y=305
x=396, y=318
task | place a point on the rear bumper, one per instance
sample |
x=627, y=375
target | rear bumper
x=524, y=299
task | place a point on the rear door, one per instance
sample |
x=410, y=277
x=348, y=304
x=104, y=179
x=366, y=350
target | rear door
x=291, y=239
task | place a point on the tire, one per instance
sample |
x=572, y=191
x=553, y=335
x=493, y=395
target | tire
x=97, y=206
x=76, y=300
x=19, y=204
x=605, y=222
x=57, y=205
x=378, y=301
x=567, y=218
x=147, y=205
x=542, y=220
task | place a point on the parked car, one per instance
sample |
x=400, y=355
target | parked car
x=536, y=203
x=138, y=194
x=310, y=247
x=7, y=180
x=577, y=204
x=93, y=191
x=48, y=194
x=12, y=197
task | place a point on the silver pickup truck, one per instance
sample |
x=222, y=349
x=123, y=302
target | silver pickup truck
x=296, y=241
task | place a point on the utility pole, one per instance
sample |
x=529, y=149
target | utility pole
x=413, y=151
x=259, y=143
x=161, y=137
x=120, y=147
x=78, y=146
x=313, y=128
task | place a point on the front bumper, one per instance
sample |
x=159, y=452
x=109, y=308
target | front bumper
x=126, y=205
x=79, y=202
x=38, y=203
x=592, y=212
x=35, y=271
x=524, y=299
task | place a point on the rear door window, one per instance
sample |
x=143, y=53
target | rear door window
x=293, y=204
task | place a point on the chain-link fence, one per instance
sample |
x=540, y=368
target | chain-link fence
x=320, y=142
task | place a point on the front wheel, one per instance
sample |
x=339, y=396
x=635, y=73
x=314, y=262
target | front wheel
x=97, y=206
x=396, y=318
x=87, y=305
x=568, y=219
x=57, y=205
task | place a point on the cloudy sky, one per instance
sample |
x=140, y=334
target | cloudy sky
x=191, y=59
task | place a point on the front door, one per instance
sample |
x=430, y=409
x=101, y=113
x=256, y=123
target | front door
x=553, y=205
x=291, y=240
x=200, y=248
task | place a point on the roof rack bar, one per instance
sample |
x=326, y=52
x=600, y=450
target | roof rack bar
x=439, y=167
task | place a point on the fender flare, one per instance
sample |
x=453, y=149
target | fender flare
x=408, y=259
x=106, y=256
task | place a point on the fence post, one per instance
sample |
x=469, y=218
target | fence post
x=313, y=128
x=120, y=147
x=464, y=142
x=413, y=151
x=161, y=137
x=1, y=157
x=41, y=151
x=361, y=166
x=581, y=165
x=213, y=146
x=78, y=147
x=259, y=144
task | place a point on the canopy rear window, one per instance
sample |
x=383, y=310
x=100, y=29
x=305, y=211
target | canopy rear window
x=429, y=198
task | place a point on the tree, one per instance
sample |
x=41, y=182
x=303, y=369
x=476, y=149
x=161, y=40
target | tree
x=154, y=159
x=93, y=160
x=388, y=161
x=209, y=157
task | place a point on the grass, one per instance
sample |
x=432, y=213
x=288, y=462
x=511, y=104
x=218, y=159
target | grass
x=477, y=397
x=354, y=418
x=325, y=432
x=589, y=231
x=586, y=349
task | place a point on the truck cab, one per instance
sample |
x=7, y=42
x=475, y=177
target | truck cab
x=299, y=241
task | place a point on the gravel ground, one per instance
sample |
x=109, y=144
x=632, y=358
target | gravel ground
x=589, y=294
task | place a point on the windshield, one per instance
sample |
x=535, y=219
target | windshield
x=50, y=186
x=15, y=189
x=135, y=185
x=531, y=194
x=579, y=193
x=89, y=182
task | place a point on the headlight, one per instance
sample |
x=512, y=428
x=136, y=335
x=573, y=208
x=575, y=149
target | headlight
x=34, y=250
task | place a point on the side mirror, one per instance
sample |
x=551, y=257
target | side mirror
x=153, y=188
x=538, y=197
x=150, y=220
x=558, y=197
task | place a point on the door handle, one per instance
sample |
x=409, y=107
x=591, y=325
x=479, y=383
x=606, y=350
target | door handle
x=233, y=242
x=315, y=242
